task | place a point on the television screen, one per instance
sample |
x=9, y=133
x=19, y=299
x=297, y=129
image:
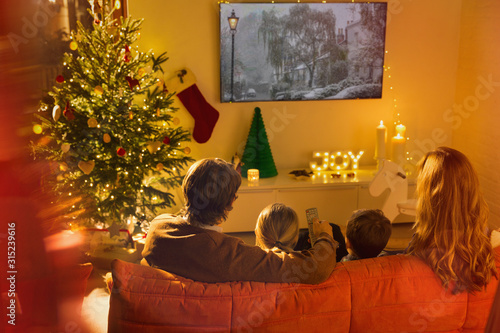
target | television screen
x=301, y=51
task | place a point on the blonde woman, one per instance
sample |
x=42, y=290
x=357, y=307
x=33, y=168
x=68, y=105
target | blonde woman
x=277, y=228
x=451, y=224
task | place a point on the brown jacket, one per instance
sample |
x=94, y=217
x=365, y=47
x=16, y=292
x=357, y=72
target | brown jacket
x=205, y=255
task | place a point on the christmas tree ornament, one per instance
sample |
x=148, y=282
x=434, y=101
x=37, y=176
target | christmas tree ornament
x=86, y=166
x=126, y=56
x=176, y=121
x=160, y=82
x=37, y=129
x=187, y=150
x=92, y=122
x=159, y=166
x=158, y=112
x=56, y=112
x=166, y=140
x=63, y=166
x=65, y=147
x=73, y=45
x=205, y=116
x=106, y=138
x=95, y=8
x=141, y=72
x=59, y=79
x=257, y=153
x=132, y=83
x=68, y=112
x=98, y=90
x=121, y=152
x=130, y=115
x=153, y=146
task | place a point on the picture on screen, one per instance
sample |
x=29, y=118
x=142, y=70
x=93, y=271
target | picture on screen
x=301, y=51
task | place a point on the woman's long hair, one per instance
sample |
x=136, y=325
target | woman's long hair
x=277, y=226
x=451, y=222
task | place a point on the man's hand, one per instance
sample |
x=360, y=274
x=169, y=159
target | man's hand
x=321, y=226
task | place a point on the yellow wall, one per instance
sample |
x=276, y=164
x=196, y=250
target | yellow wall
x=422, y=40
x=476, y=131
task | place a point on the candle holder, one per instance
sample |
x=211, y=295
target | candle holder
x=253, y=177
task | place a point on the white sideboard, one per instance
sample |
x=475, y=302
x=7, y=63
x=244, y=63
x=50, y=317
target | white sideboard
x=335, y=198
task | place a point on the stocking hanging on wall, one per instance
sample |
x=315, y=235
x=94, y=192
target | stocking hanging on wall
x=205, y=116
x=257, y=154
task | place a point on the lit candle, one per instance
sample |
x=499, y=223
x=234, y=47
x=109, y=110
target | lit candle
x=381, y=141
x=398, y=149
x=253, y=176
x=400, y=130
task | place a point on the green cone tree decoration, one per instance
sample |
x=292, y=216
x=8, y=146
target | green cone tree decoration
x=109, y=127
x=257, y=154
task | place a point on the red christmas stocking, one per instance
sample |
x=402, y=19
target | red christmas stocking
x=205, y=116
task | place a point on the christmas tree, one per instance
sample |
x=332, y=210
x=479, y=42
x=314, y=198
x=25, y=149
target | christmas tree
x=257, y=153
x=112, y=134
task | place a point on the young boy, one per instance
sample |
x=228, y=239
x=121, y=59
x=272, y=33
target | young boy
x=367, y=234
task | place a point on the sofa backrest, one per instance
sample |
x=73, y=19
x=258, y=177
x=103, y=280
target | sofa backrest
x=387, y=294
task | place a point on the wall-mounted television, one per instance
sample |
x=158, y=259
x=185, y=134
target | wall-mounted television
x=301, y=51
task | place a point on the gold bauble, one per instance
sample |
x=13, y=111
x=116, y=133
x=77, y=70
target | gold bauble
x=92, y=122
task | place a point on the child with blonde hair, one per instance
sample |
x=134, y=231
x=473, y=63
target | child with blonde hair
x=277, y=228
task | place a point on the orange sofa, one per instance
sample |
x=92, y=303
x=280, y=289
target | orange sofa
x=388, y=294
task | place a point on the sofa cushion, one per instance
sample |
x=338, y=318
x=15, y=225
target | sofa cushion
x=151, y=300
x=287, y=307
x=401, y=291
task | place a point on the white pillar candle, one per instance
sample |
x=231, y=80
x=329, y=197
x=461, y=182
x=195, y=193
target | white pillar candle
x=398, y=149
x=381, y=141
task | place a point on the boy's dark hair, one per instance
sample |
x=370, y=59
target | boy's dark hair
x=368, y=231
x=209, y=188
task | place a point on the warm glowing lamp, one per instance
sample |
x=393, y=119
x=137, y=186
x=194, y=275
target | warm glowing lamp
x=253, y=176
x=233, y=21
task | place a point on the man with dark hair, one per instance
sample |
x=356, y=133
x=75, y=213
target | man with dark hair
x=367, y=234
x=192, y=244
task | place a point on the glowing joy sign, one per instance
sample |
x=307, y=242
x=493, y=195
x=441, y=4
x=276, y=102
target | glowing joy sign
x=336, y=161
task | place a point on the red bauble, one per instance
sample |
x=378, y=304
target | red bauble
x=68, y=112
x=121, y=152
x=166, y=140
x=60, y=79
x=132, y=82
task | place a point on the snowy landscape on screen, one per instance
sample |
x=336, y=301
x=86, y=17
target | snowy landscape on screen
x=299, y=51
